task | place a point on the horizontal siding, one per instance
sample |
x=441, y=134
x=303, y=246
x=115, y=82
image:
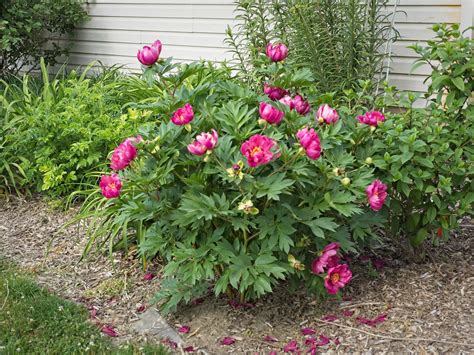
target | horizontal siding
x=194, y=29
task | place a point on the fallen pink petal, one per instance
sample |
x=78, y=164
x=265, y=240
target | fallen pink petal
x=270, y=339
x=310, y=342
x=172, y=344
x=372, y=322
x=197, y=301
x=347, y=313
x=141, y=308
x=337, y=341
x=378, y=264
x=323, y=340
x=227, y=341
x=148, y=276
x=330, y=318
x=291, y=347
x=109, y=330
x=307, y=331
x=184, y=329
x=189, y=349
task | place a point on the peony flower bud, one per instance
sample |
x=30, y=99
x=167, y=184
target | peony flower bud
x=369, y=160
x=148, y=55
x=346, y=181
x=270, y=114
x=183, y=115
x=327, y=114
x=276, y=53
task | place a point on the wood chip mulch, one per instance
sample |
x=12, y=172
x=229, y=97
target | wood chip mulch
x=421, y=308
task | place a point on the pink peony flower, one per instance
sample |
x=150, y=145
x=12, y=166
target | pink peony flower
x=124, y=153
x=327, y=259
x=376, y=194
x=274, y=92
x=288, y=101
x=110, y=185
x=337, y=277
x=327, y=114
x=307, y=331
x=184, y=329
x=291, y=347
x=258, y=150
x=227, y=341
x=270, y=114
x=209, y=140
x=300, y=105
x=109, y=330
x=371, y=118
x=183, y=115
x=277, y=52
x=197, y=148
x=309, y=140
x=148, y=55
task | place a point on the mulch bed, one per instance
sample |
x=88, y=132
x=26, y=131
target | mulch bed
x=404, y=307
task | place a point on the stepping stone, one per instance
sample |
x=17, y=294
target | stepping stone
x=151, y=322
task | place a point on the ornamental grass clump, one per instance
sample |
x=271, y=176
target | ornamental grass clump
x=236, y=191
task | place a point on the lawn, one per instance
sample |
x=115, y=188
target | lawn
x=32, y=320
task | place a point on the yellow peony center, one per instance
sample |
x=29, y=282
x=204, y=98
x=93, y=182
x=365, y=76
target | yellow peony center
x=335, y=278
x=111, y=185
x=255, y=150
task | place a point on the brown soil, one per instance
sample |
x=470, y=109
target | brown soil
x=429, y=306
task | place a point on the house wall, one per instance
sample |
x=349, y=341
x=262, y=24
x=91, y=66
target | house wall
x=194, y=29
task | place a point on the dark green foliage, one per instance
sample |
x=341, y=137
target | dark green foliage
x=25, y=26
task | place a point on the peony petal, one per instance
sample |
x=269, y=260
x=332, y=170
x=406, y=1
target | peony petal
x=109, y=330
x=141, y=308
x=347, y=313
x=291, y=347
x=308, y=331
x=227, y=341
x=189, y=349
x=330, y=318
x=172, y=344
x=197, y=301
x=184, y=329
x=323, y=340
x=148, y=276
x=270, y=339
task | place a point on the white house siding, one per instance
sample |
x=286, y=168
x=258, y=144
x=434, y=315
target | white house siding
x=194, y=29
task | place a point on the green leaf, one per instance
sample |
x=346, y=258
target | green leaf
x=272, y=186
x=458, y=82
x=431, y=214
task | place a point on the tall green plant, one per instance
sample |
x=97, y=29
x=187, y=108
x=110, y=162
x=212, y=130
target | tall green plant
x=340, y=41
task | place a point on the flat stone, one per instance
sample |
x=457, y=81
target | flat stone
x=151, y=322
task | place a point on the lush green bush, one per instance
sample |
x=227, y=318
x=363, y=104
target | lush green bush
x=25, y=26
x=217, y=221
x=427, y=154
x=63, y=129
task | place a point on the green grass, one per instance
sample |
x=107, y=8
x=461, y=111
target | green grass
x=33, y=321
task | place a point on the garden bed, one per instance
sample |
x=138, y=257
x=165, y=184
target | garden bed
x=427, y=307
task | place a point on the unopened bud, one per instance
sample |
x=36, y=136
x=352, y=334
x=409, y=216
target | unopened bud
x=346, y=181
x=369, y=161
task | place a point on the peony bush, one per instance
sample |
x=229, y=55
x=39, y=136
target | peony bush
x=239, y=190
x=236, y=190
